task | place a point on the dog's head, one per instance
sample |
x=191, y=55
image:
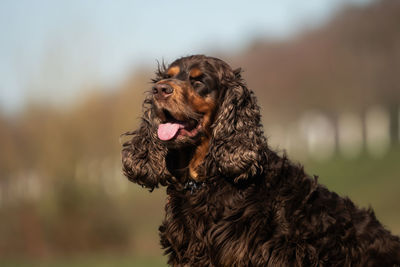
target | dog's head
x=198, y=102
x=186, y=97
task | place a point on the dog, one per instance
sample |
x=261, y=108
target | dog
x=233, y=201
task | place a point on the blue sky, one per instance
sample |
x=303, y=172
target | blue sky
x=52, y=51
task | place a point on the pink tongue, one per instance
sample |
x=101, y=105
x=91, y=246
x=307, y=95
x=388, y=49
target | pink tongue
x=166, y=131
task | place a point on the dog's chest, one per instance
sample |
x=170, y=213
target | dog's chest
x=206, y=225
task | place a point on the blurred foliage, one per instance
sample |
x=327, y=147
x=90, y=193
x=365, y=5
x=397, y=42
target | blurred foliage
x=72, y=156
x=350, y=64
x=64, y=201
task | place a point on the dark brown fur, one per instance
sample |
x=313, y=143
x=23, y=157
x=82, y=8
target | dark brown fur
x=232, y=200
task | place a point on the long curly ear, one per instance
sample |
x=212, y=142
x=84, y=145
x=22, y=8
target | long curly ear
x=238, y=146
x=143, y=156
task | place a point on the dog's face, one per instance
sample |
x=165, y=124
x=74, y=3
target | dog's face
x=185, y=99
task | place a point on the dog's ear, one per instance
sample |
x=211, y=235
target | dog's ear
x=143, y=156
x=238, y=146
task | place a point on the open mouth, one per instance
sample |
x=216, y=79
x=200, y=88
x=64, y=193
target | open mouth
x=172, y=128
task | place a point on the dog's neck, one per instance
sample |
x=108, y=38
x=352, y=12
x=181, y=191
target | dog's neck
x=198, y=157
x=183, y=162
x=178, y=160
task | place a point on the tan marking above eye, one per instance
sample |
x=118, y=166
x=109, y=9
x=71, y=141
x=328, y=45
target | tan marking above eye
x=195, y=72
x=173, y=71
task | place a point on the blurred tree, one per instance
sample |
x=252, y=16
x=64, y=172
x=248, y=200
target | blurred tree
x=348, y=65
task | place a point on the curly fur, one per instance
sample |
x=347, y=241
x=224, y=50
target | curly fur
x=253, y=208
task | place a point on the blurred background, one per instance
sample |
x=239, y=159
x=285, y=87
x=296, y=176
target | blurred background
x=73, y=76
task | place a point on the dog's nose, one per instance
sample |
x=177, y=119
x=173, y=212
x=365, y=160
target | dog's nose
x=162, y=90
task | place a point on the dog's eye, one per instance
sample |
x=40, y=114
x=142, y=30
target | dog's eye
x=200, y=87
x=197, y=84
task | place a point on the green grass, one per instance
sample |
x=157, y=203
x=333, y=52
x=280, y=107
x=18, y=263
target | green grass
x=367, y=181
